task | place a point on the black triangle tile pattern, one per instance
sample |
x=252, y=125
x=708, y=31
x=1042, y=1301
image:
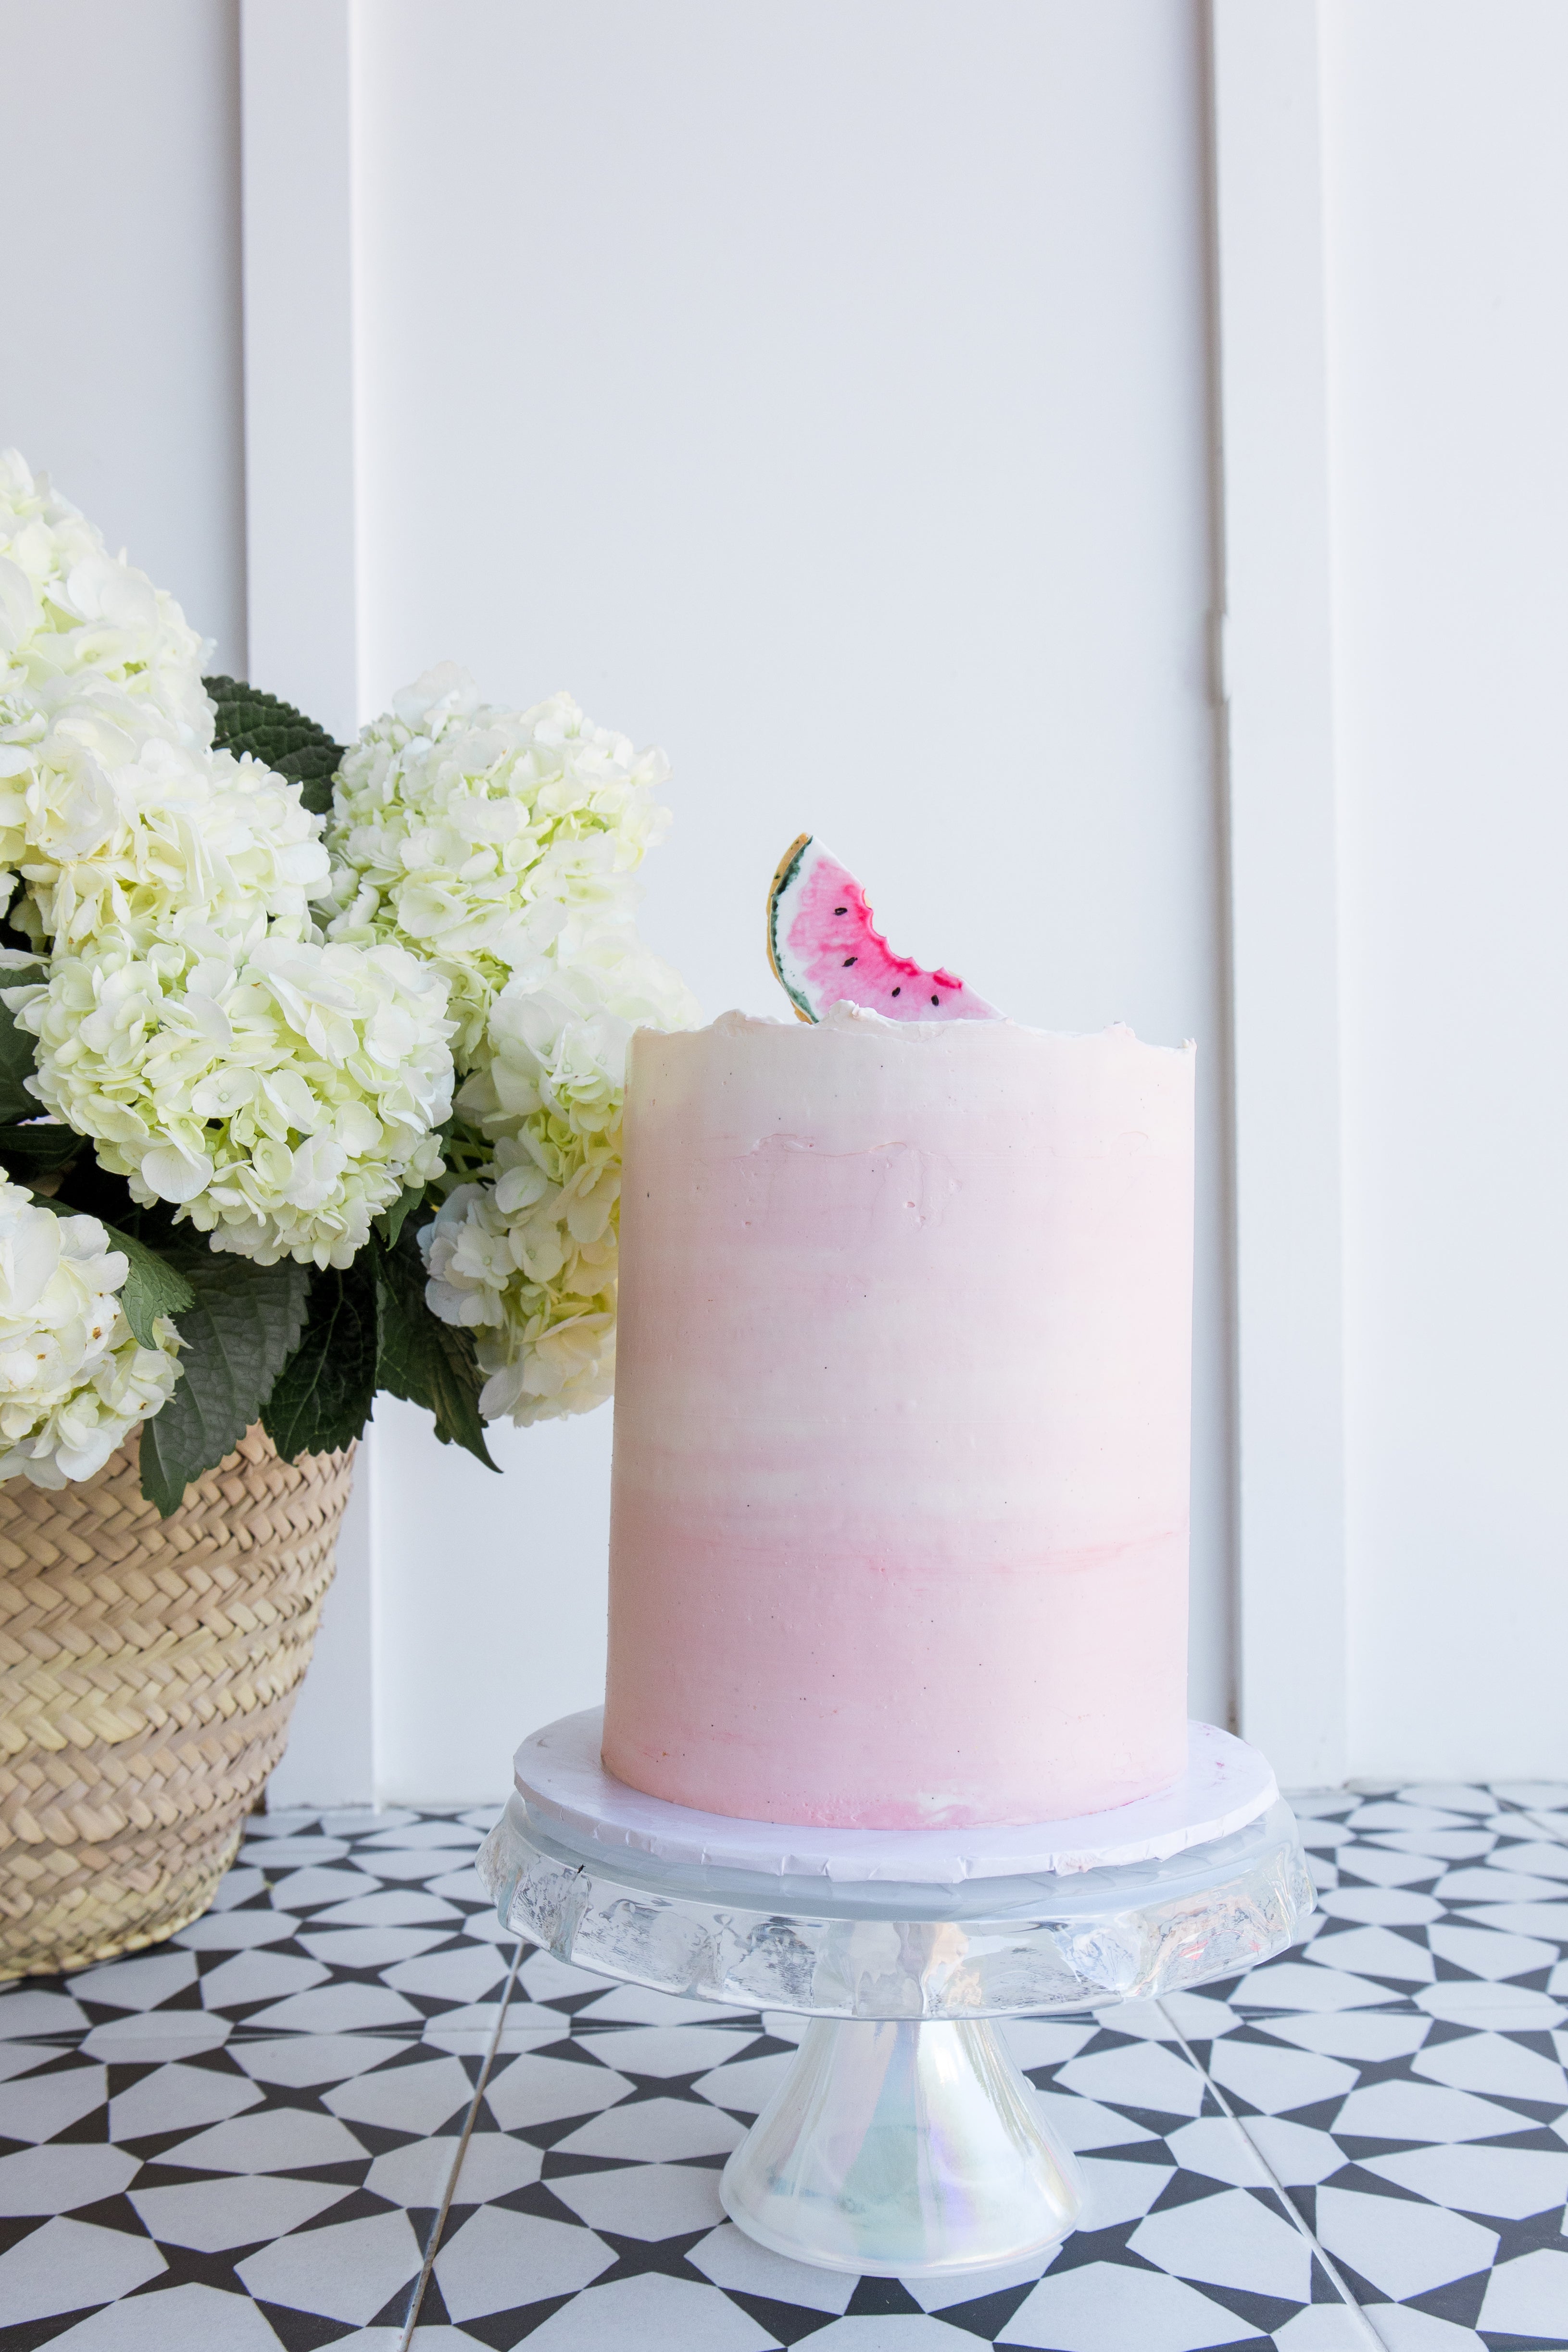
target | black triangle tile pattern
x=344, y=2104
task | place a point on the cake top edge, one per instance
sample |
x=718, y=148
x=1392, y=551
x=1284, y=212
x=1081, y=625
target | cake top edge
x=945, y=1037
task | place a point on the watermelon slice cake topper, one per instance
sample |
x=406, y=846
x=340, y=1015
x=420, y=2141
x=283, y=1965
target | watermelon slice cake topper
x=826, y=949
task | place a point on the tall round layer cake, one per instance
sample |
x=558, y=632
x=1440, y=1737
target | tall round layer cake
x=899, y=1522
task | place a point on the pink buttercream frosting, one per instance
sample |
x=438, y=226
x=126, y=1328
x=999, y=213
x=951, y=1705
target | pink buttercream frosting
x=899, y=1522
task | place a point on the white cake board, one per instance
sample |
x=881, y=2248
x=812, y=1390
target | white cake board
x=561, y=1778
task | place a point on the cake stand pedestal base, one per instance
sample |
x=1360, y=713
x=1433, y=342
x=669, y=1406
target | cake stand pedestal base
x=904, y=2142
x=899, y=2149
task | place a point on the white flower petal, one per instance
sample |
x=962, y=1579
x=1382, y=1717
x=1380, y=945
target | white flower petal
x=176, y=1175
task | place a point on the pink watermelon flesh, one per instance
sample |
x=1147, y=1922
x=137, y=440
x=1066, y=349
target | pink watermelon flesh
x=827, y=951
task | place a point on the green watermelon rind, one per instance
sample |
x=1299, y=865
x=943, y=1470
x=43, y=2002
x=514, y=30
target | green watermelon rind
x=787, y=868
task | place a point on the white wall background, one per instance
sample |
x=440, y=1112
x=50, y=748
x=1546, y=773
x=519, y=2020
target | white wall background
x=829, y=392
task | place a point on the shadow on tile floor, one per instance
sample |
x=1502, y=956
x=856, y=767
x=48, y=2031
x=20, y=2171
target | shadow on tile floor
x=245, y=2137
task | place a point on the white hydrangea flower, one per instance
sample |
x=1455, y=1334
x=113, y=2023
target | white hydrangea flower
x=73, y=1380
x=280, y=1093
x=482, y=838
x=115, y=826
x=68, y=608
x=526, y=1257
x=547, y=1348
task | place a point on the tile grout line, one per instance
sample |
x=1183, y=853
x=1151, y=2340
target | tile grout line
x=1373, y=2339
x=438, y=2226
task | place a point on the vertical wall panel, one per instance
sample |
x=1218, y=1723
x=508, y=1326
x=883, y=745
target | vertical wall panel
x=821, y=390
x=299, y=355
x=298, y=109
x=1447, y=185
x=120, y=364
x=1284, y=884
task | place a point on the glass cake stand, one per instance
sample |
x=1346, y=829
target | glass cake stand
x=904, y=2141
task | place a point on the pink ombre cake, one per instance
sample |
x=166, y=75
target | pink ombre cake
x=900, y=1531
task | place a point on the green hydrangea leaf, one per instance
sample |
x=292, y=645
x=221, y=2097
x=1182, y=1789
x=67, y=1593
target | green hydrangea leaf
x=152, y=1287
x=289, y=744
x=40, y=1146
x=240, y=1329
x=390, y=1223
x=321, y=1398
x=420, y=1357
x=18, y=1047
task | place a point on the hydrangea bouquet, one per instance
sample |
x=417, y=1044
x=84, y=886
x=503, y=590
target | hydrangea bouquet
x=311, y=1059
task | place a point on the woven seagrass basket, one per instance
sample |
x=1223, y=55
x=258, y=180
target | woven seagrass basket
x=148, y=1669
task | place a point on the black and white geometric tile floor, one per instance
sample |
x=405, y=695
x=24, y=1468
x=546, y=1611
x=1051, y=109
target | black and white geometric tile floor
x=342, y=2107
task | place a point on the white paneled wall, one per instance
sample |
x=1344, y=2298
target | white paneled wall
x=877, y=402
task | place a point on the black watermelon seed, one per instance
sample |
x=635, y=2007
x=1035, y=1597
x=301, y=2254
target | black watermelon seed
x=935, y=1000
x=897, y=991
x=849, y=959
x=841, y=910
